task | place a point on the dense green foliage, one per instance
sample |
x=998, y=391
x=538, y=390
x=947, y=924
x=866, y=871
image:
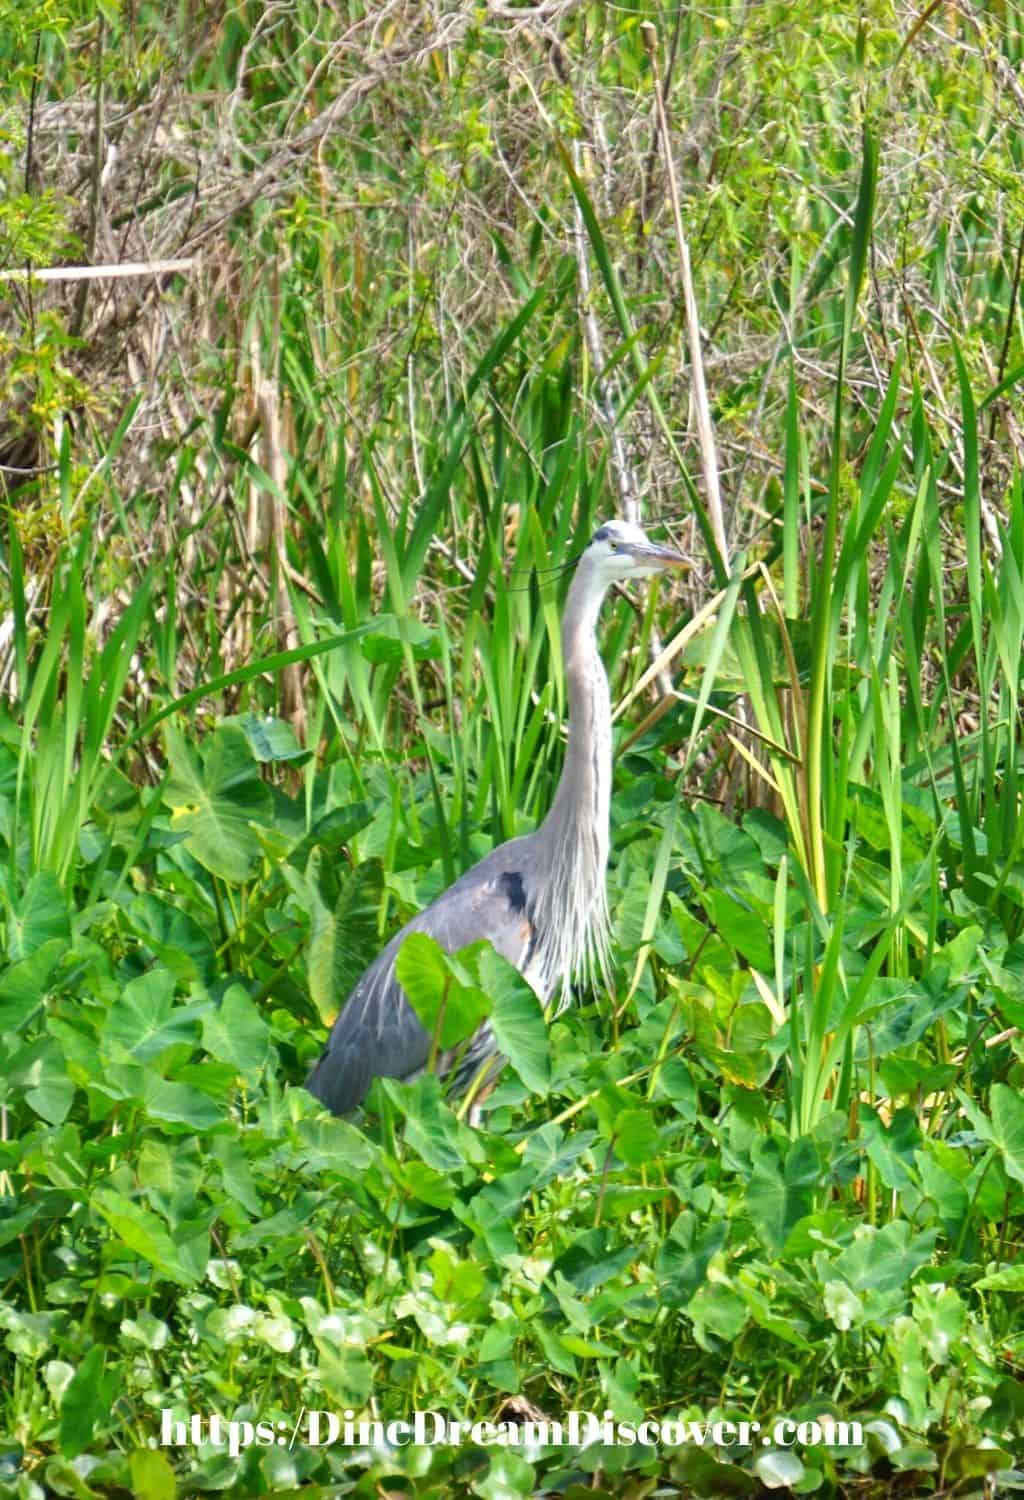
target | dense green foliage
x=279, y=655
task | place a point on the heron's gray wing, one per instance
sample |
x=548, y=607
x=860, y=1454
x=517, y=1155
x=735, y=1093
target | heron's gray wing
x=377, y=1033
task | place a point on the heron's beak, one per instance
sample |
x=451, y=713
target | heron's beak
x=653, y=556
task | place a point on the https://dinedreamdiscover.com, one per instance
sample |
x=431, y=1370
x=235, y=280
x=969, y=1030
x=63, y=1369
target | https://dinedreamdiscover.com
x=578, y=1429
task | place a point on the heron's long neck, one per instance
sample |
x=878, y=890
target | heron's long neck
x=582, y=799
x=575, y=831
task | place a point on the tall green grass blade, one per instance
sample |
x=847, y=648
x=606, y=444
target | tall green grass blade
x=613, y=287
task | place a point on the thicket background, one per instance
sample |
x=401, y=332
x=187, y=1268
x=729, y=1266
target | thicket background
x=279, y=656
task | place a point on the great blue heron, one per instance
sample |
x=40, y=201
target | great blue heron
x=540, y=899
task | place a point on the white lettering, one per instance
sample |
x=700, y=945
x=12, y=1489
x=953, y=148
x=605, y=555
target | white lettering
x=172, y=1434
x=240, y=1435
x=314, y=1421
x=422, y=1434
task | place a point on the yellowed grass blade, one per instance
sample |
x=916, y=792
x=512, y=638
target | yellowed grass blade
x=756, y=765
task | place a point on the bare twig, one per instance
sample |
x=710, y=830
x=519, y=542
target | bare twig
x=99, y=273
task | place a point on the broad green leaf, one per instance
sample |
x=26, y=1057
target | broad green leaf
x=885, y=1259
x=184, y=1103
x=180, y=1103
x=143, y=1234
x=676, y=1083
x=343, y=941
x=842, y=1306
x=409, y=635
x=781, y=1187
x=517, y=1020
x=276, y=1333
x=906, y=1342
x=733, y=1068
x=174, y=937
x=152, y=1476
x=216, y=799
x=23, y=987
x=941, y=1316
x=592, y=1259
x=446, y=1007
x=270, y=738
x=149, y=1331
x=585, y=1348
x=144, y=1020
x=334, y=1145
x=1006, y=1279
x=554, y=1350
x=332, y=832
x=973, y=1460
x=636, y=1137
x=685, y=1255
x=910, y=1456
x=718, y=1308
x=39, y=916
x=778, y=1468
x=87, y=1402
x=40, y=1069
x=346, y=1374
x=906, y=1075
x=949, y=1195
x=631, y=911
x=431, y=1128
x=621, y=1382
x=891, y=1147
x=236, y=1173
x=746, y=931
x=705, y=1475
x=509, y=1477
x=234, y=1032
x=425, y=1183
x=900, y=1012
x=174, y=1168
x=499, y=1339
x=1008, y=1128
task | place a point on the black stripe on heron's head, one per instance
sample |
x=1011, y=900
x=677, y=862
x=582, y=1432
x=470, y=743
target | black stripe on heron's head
x=602, y=534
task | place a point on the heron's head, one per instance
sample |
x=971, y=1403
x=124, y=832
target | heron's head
x=618, y=550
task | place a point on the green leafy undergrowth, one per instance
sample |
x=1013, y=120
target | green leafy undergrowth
x=640, y=1226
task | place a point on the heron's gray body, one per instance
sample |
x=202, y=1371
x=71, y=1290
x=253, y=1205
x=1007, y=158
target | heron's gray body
x=540, y=899
x=378, y=1033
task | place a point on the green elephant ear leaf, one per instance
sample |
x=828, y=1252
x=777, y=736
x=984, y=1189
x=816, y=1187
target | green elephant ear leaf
x=517, y=1021
x=218, y=800
x=38, y=916
x=343, y=938
x=446, y=1005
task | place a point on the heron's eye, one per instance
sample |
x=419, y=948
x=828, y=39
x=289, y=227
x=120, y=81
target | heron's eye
x=614, y=546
